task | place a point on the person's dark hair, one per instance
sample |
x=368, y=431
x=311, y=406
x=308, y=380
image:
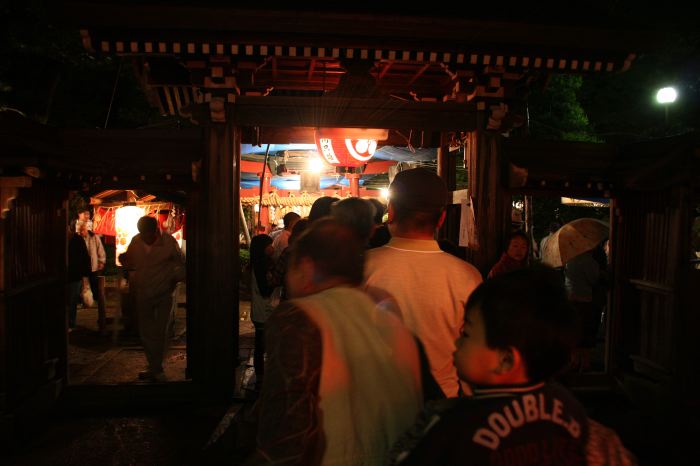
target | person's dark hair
x=260, y=262
x=289, y=218
x=528, y=309
x=83, y=209
x=357, y=214
x=418, y=197
x=380, y=237
x=321, y=208
x=147, y=224
x=379, y=210
x=298, y=229
x=334, y=249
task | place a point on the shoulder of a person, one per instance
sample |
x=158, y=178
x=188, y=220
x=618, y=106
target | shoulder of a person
x=463, y=266
x=380, y=251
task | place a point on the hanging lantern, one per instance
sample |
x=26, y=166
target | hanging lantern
x=338, y=149
x=126, y=218
x=178, y=237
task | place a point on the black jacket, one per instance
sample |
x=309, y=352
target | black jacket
x=78, y=259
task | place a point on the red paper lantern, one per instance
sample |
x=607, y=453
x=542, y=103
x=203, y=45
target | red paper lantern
x=343, y=152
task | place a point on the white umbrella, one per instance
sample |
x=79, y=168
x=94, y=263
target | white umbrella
x=573, y=239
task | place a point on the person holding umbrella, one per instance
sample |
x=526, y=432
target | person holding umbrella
x=585, y=283
x=576, y=246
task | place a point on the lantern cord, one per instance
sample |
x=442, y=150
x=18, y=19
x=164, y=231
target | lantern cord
x=114, y=91
x=262, y=180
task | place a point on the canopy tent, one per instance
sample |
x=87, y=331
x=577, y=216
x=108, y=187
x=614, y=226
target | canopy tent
x=278, y=156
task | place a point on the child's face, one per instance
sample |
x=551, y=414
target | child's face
x=517, y=248
x=476, y=363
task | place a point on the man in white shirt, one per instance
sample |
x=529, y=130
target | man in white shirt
x=430, y=286
x=155, y=264
x=281, y=241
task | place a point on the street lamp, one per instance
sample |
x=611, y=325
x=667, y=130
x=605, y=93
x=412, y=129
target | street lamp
x=666, y=96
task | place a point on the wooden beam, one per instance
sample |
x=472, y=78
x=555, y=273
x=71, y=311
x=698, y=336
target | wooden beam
x=312, y=65
x=354, y=113
x=305, y=135
x=359, y=29
x=419, y=73
x=385, y=70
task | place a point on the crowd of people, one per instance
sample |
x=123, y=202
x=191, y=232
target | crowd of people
x=392, y=351
x=153, y=263
x=376, y=344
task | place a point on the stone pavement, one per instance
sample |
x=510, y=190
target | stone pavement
x=108, y=417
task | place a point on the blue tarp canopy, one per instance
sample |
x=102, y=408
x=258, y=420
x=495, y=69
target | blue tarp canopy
x=399, y=154
x=293, y=182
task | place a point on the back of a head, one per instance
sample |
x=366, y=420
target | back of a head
x=418, y=197
x=379, y=210
x=528, y=309
x=258, y=243
x=333, y=248
x=321, y=208
x=289, y=219
x=298, y=229
x=357, y=214
x=147, y=225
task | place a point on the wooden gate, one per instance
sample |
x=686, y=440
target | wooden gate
x=651, y=234
x=32, y=306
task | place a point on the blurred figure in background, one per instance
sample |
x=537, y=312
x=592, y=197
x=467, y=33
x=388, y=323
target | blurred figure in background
x=357, y=214
x=429, y=285
x=321, y=208
x=155, y=265
x=261, y=288
x=380, y=235
x=514, y=257
x=586, y=284
x=343, y=377
x=282, y=240
x=98, y=258
x=79, y=268
x=279, y=271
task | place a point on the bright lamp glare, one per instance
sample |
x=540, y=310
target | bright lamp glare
x=315, y=165
x=385, y=193
x=125, y=219
x=666, y=95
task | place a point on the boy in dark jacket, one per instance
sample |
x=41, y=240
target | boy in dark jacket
x=518, y=332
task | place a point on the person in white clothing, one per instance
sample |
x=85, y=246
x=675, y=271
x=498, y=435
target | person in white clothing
x=97, y=263
x=155, y=264
x=430, y=286
x=342, y=378
x=281, y=241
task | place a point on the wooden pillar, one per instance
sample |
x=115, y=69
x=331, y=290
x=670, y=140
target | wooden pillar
x=215, y=264
x=446, y=165
x=492, y=202
x=264, y=225
x=447, y=170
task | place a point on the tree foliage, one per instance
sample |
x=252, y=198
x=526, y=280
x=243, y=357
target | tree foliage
x=556, y=114
x=46, y=74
